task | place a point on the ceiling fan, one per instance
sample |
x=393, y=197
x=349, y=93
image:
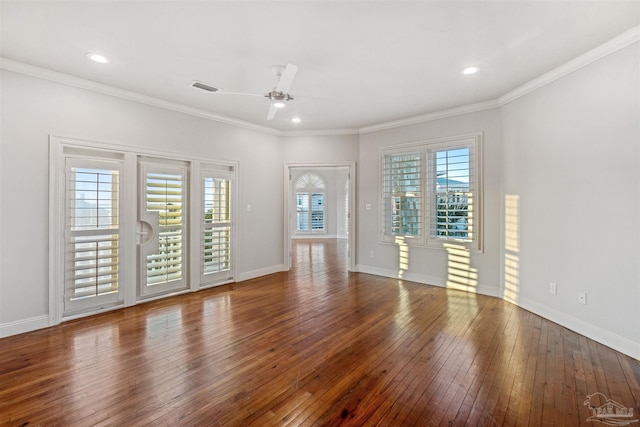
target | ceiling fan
x=279, y=95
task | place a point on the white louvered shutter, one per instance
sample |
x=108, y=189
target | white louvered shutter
x=452, y=181
x=216, y=226
x=92, y=234
x=402, y=194
x=164, y=194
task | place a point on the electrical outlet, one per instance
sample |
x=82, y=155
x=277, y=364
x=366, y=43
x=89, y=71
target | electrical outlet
x=582, y=298
x=372, y=254
x=553, y=288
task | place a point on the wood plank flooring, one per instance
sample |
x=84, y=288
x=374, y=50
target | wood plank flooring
x=314, y=346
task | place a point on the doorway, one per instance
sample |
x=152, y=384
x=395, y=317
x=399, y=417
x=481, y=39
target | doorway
x=329, y=190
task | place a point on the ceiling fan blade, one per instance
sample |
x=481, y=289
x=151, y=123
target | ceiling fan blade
x=272, y=112
x=286, y=79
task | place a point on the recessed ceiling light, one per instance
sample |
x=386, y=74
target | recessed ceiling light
x=296, y=120
x=470, y=70
x=96, y=57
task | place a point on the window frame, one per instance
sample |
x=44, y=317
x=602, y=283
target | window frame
x=427, y=148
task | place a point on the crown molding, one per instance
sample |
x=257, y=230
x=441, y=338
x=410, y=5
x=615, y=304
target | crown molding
x=623, y=40
x=54, y=76
x=599, y=52
x=320, y=132
x=465, y=109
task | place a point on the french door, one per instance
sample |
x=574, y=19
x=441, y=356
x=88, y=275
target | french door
x=162, y=227
x=128, y=226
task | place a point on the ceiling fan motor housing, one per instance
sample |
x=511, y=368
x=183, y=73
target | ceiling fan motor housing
x=275, y=95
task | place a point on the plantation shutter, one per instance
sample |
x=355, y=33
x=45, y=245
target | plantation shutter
x=302, y=212
x=216, y=226
x=164, y=194
x=317, y=211
x=452, y=179
x=402, y=194
x=92, y=234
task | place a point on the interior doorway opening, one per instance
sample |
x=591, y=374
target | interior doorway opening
x=319, y=205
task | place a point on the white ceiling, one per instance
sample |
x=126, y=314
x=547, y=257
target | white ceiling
x=360, y=63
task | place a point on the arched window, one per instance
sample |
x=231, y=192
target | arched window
x=310, y=203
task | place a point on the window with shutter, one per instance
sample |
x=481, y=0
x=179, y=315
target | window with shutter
x=216, y=226
x=402, y=194
x=310, y=204
x=92, y=229
x=451, y=177
x=164, y=193
x=431, y=192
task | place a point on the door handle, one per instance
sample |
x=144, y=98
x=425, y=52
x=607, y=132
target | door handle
x=146, y=231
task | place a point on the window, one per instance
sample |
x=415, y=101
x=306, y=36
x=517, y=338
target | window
x=445, y=174
x=310, y=203
x=93, y=234
x=164, y=196
x=451, y=173
x=310, y=211
x=402, y=194
x=216, y=226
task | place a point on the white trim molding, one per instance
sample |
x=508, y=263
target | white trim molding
x=605, y=49
x=482, y=289
x=248, y=275
x=588, y=330
x=24, y=325
x=458, y=111
x=65, y=79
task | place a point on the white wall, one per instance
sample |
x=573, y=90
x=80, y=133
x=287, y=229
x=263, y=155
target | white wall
x=572, y=157
x=429, y=265
x=320, y=149
x=33, y=108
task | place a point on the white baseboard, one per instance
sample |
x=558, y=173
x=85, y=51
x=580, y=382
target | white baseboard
x=491, y=291
x=608, y=338
x=313, y=236
x=248, y=275
x=24, y=325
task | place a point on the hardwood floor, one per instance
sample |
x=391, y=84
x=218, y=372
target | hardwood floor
x=315, y=346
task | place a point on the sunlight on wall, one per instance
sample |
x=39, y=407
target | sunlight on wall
x=470, y=216
x=403, y=256
x=511, y=248
x=460, y=274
